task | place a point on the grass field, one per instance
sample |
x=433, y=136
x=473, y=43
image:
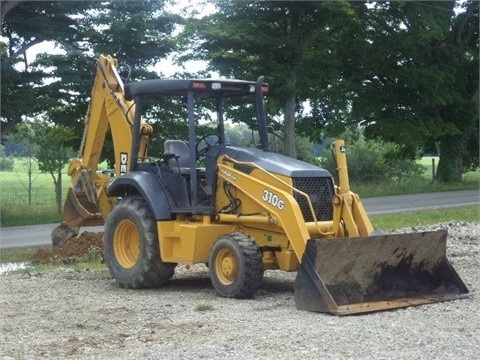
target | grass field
x=15, y=209
x=14, y=188
x=419, y=218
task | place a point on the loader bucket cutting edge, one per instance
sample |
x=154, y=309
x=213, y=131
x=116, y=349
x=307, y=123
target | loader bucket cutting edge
x=365, y=274
x=78, y=211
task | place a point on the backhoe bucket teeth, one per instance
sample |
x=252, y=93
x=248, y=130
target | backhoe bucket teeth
x=79, y=211
x=62, y=233
x=364, y=274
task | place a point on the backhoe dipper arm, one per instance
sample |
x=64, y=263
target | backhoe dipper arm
x=87, y=202
x=108, y=107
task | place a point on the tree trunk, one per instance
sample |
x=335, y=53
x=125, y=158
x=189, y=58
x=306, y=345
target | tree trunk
x=450, y=164
x=289, y=116
x=58, y=191
x=30, y=181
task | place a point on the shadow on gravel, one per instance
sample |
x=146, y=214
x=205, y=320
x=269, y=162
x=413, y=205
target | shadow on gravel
x=189, y=283
x=193, y=278
x=197, y=279
x=275, y=283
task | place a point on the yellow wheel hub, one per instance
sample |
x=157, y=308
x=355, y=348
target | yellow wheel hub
x=226, y=266
x=126, y=244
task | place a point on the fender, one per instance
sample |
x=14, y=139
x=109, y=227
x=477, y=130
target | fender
x=147, y=185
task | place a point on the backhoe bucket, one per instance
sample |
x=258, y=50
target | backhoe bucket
x=79, y=211
x=364, y=274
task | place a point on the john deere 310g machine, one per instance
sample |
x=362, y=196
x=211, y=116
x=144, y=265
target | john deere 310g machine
x=243, y=211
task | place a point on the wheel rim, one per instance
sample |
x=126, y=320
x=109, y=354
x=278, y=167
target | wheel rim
x=126, y=244
x=226, y=266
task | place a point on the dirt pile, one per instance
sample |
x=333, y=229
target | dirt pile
x=84, y=247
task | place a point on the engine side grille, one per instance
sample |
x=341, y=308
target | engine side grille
x=320, y=190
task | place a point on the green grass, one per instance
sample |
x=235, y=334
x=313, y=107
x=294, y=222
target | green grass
x=17, y=255
x=204, y=307
x=418, y=218
x=14, y=187
x=422, y=184
x=22, y=214
x=15, y=209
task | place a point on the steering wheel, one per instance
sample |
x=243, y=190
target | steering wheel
x=206, y=142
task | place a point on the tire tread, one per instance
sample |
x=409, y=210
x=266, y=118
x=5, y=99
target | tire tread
x=151, y=271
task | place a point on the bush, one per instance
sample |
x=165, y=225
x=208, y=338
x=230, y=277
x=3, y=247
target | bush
x=6, y=162
x=371, y=161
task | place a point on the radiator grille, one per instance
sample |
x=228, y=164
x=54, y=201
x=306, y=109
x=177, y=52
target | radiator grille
x=320, y=190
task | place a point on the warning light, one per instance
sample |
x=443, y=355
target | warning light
x=199, y=85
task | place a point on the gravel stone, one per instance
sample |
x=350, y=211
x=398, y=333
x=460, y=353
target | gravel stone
x=70, y=314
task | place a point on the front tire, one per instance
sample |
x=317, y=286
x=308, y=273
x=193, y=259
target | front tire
x=131, y=246
x=235, y=266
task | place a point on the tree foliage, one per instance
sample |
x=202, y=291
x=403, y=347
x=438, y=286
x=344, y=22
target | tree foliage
x=288, y=42
x=138, y=33
x=374, y=161
x=404, y=71
x=414, y=79
x=6, y=162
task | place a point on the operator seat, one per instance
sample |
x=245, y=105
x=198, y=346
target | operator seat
x=177, y=156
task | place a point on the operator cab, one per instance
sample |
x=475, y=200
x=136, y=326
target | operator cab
x=190, y=187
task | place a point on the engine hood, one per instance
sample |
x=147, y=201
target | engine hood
x=272, y=162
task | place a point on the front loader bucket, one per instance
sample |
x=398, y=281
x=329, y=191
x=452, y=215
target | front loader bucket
x=364, y=274
x=79, y=211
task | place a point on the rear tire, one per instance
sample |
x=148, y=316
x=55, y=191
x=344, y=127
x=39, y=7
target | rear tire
x=235, y=266
x=131, y=246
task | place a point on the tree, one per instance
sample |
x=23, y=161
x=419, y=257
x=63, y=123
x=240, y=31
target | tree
x=289, y=42
x=28, y=150
x=52, y=153
x=459, y=151
x=407, y=72
x=48, y=20
x=413, y=79
x=135, y=32
x=6, y=6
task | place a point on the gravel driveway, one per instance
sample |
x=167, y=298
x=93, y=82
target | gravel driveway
x=69, y=314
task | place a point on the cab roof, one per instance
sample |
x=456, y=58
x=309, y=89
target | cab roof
x=206, y=88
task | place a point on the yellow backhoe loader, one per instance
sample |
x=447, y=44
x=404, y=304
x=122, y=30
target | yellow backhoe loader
x=243, y=211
